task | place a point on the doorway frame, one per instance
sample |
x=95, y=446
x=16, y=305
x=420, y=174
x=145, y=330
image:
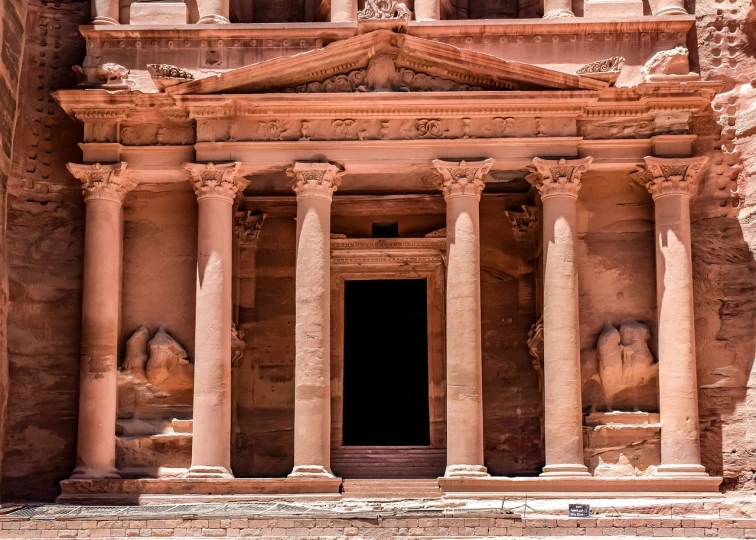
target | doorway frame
x=391, y=258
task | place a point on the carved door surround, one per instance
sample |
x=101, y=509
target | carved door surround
x=391, y=258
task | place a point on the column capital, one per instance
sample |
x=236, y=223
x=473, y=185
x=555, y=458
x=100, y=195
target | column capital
x=216, y=180
x=320, y=179
x=462, y=178
x=247, y=228
x=670, y=176
x=524, y=224
x=103, y=182
x=558, y=178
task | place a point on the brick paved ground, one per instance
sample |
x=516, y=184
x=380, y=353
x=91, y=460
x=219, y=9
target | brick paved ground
x=394, y=527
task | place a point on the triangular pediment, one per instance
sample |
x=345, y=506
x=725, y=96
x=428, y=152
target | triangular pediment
x=386, y=61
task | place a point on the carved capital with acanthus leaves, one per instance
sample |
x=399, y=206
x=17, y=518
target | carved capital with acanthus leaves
x=670, y=176
x=462, y=178
x=216, y=180
x=103, y=182
x=319, y=179
x=558, y=178
x=247, y=227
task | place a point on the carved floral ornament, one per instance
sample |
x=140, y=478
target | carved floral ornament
x=216, y=180
x=462, y=178
x=103, y=182
x=381, y=10
x=558, y=178
x=664, y=176
x=319, y=179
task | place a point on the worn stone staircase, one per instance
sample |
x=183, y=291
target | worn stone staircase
x=401, y=488
x=390, y=462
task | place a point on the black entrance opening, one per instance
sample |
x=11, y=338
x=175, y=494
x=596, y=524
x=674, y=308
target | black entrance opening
x=386, y=363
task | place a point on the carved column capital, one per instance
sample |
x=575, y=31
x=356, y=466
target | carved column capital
x=216, y=181
x=558, y=178
x=524, y=224
x=103, y=182
x=670, y=176
x=247, y=228
x=462, y=178
x=319, y=179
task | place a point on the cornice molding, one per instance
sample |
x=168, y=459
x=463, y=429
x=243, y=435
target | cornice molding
x=216, y=181
x=103, y=182
x=558, y=178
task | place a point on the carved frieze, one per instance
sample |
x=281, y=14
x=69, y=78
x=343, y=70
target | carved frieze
x=376, y=10
x=156, y=134
x=213, y=180
x=558, y=177
x=607, y=65
x=319, y=179
x=670, y=176
x=103, y=182
x=462, y=178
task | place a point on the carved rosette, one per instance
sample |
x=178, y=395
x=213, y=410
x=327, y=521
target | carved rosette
x=103, y=182
x=670, y=176
x=462, y=178
x=247, y=228
x=216, y=181
x=320, y=179
x=558, y=178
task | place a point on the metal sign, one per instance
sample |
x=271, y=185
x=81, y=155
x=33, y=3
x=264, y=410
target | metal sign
x=580, y=510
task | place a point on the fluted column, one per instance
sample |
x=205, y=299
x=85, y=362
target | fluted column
x=671, y=183
x=557, y=9
x=314, y=184
x=104, y=188
x=427, y=10
x=558, y=183
x=462, y=185
x=105, y=12
x=216, y=187
x=213, y=11
x=343, y=10
x=662, y=8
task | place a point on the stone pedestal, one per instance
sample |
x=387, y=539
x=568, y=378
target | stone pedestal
x=558, y=183
x=622, y=444
x=612, y=8
x=104, y=187
x=462, y=186
x=671, y=183
x=163, y=13
x=314, y=184
x=216, y=187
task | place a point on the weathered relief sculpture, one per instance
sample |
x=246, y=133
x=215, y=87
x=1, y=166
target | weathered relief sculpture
x=237, y=353
x=156, y=369
x=621, y=373
x=108, y=76
x=674, y=63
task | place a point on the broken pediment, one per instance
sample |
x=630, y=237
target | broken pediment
x=386, y=61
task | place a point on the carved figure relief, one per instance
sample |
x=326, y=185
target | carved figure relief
x=621, y=373
x=349, y=130
x=384, y=10
x=140, y=135
x=175, y=135
x=108, y=76
x=502, y=127
x=674, y=63
x=631, y=128
x=159, y=369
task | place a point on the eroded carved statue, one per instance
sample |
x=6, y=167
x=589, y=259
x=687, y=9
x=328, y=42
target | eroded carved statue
x=108, y=76
x=158, y=369
x=673, y=63
x=621, y=373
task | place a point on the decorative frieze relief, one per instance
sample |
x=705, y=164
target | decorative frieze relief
x=319, y=179
x=664, y=123
x=155, y=134
x=378, y=10
x=558, y=178
x=103, y=182
x=373, y=129
x=524, y=224
x=670, y=176
x=218, y=181
x=462, y=178
x=247, y=227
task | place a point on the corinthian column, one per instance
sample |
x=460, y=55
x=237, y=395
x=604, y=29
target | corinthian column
x=427, y=10
x=558, y=182
x=105, y=12
x=671, y=183
x=216, y=187
x=662, y=8
x=104, y=188
x=314, y=184
x=462, y=184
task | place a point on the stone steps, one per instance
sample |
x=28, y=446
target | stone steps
x=388, y=462
x=404, y=488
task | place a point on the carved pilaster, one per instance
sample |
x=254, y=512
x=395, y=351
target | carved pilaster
x=216, y=181
x=558, y=178
x=320, y=179
x=103, y=182
x=524, y=224
x=462, y=178
x=665, y=176
x=247, y=226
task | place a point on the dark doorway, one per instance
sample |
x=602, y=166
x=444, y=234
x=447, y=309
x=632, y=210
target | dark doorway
x=386, y=363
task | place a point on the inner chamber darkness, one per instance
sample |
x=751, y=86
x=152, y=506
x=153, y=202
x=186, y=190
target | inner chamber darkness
x=386, y=363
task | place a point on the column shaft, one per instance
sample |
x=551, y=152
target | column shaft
x=427, y=10
x=559, y=183
x=343, y=10
x=314, y=184
x=663, y=8
x=105, y=12
x=213, y=11
x=557, y=9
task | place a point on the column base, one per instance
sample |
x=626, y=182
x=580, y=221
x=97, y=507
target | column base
x=559, y=14
x=466, y=471
x=213, y=19
x=201, y=471
x=670, y=11
x=566, y=469
x=104, y=20
x=310, y=471
x=681, y=470
x=82, y=473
